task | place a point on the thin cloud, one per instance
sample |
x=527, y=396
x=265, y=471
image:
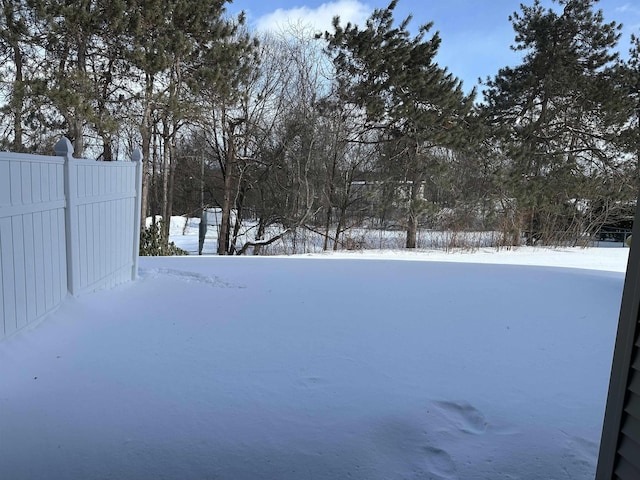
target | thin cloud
x=628, y=8
x=318, y=19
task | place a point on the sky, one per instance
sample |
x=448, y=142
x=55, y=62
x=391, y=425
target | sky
x=476, y=34
x=360, y=365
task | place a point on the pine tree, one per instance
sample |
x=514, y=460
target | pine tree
x=556, y=115
x=183, y=50
x=630, y=85
x=408, y=99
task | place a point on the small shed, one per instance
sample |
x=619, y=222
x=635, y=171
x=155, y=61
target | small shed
x=212, y=217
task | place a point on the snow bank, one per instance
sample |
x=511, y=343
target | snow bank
x=292, y=368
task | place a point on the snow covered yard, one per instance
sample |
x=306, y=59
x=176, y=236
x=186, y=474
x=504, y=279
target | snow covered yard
x=323, y=367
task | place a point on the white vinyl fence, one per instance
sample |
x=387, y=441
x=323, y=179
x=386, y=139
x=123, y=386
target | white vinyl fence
x=67, y=225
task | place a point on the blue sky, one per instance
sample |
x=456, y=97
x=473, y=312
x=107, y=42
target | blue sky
x=476, y=34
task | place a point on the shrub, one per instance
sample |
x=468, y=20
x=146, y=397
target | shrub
x=155, y=242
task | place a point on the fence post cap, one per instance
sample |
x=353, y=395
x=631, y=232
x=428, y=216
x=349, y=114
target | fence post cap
x=136, y=156
x=63, y=147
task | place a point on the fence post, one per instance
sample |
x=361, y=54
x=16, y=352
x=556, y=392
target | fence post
x=137, y=158
x=63, y=148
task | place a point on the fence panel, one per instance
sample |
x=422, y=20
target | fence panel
x=33, y=277
x=95, y=191
x=66, y=226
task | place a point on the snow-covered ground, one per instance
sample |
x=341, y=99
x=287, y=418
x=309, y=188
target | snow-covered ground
x=365, y=365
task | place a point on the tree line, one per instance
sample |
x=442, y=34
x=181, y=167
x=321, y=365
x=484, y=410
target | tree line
x=357, y=127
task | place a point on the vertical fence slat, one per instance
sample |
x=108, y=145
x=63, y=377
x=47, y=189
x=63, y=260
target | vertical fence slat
x=103, y=180
x=120, y=241
x=39, y=259
x=45, y=184
x=108, y=235
x=92, y=234
x=103, y=247
x=3, y=315
x=55, y=266
x=80, y=181
x=109, y=184
x=5, y=184
x=92, y=238
x=88, y=244
x=48, y=268
x=97, y=240
x=95, y=178
x=19, y=271
x=114, y=263
x=59, y=169
x=30, y=267
x=36, y=188
x=16, y=183
x=88, y=187
x=9, y=296
x=62, y=255
x=25, y=178
x=83, y=255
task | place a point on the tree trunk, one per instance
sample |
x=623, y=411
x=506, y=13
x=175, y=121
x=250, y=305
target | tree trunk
x=145, y=133
x=227, y=201
x=166, y=150
x=225, y=222
x=343, y=212
x=146, y=175
x=172, y=176
x=260, y=235
x=76, y=131
x=104, y=131
x=155, y=202
x=107, y=149
x=238, y=223
x=11, y=35
x=327, y=226
x=412, y=219
x=330, y=196
x=412, y=216
x=77, y=122
x=169, y=134
x=339, y=226
x=18, y=99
